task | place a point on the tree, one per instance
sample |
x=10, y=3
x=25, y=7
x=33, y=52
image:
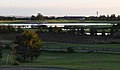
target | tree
x=93, y=31
x=103, y=32
x=102, y=17
x=6, y=29
x=19, y=29
x=57, y=29
x=33, y=17
x=70, y=49
x=118, y=17
x=28, y=48
x=114, y=29
x=42, y=28
x=108, y=18
x=39, y=16
x=50, y=29
x=113, y=17
x=82, y=31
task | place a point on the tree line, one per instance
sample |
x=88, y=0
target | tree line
x=111, y=17
x=10, y=29
x=80, y=30
x=40, y=16
x=13, y=18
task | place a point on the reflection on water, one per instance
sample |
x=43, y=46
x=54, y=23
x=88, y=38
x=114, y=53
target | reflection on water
x=98, y=34
x=57, y=24
x=74, y=24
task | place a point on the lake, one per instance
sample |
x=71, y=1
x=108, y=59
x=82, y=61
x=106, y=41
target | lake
x=55, y=24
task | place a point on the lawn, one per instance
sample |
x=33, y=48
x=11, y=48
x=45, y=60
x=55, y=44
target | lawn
x=54, y=45
x=83, y=61
x=59, y=21
x=86, y=61
x=11, y=21
x=62, y=21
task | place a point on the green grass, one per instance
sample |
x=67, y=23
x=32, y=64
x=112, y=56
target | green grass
x=11, y=21
x=79, y=21
x=50, y=21
x=84, y=61
x=90, y=61
x=53, y=45
x=59, y=21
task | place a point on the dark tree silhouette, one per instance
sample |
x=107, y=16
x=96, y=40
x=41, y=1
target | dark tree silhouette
x=113, y=17
x=82, y=31
x=93, y=31
x=42, y=28
x=103, y=32
x=102, y=17
x=39, y=16
x=118, y=17
x=6, y=29
x=57, y=29
x=33, y=17
x=114, y=29
x=50, y=29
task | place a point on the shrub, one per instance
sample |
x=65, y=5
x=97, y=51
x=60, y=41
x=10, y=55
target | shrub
x=0, y=52
x=7, y=46
x=70, y=49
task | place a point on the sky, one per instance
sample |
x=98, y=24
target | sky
x=59, y=7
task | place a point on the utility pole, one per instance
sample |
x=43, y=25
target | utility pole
x=97, y=13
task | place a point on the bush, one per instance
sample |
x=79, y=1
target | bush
x=70, y=49
x=16, y=63
x=7, y=46
x=0, y=52
x=0, y=55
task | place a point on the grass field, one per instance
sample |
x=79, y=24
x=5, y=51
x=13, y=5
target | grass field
x=90, y=61
x=50, y=21
x=53, y=45
x=83, y=61
x=11, y=21
x=60, y=21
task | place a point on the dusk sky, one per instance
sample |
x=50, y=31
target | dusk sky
x=59, y=7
